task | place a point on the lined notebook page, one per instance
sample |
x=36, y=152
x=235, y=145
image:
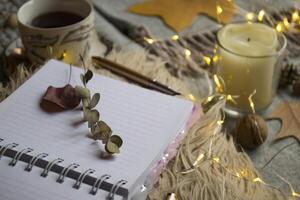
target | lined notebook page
x=146, y=120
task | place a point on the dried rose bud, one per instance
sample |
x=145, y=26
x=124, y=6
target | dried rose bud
x=64, y=97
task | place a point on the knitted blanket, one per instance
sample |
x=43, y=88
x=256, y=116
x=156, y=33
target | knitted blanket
x=207, y=165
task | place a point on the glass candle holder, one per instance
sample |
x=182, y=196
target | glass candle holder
x=250, y=57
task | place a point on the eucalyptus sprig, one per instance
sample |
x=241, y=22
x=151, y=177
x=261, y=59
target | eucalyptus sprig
x=98, y=128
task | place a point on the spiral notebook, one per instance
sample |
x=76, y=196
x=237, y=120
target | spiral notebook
x=50, y=156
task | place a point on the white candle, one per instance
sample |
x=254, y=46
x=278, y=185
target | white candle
x=247, y=63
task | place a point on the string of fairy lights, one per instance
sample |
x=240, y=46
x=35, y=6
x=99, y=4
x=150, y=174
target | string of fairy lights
x=243, y=173
x=281, y=26
x=209, y=60
x=246, y=174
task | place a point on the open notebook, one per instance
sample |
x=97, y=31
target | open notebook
x=146, y=120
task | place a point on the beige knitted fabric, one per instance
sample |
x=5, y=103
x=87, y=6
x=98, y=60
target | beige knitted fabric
x=214, y=177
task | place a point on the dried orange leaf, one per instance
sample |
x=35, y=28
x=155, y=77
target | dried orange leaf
x=179, y=14
x=289, y=114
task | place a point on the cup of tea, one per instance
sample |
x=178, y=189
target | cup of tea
x=59, y=29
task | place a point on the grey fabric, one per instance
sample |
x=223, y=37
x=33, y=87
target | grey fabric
x=287, y=162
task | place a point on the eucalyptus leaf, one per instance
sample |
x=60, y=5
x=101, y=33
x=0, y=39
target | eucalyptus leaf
x=111, y=147
x=101, y=131
x=103, y=127
x=86, y=114
x=86, y=102
x=82, y=92
x=95, y=100
x=88, y=76
x=94, y=132
x=116, y=140
x=92, y=116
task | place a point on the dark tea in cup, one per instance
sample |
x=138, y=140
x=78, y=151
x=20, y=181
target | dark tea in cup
x=56, y=19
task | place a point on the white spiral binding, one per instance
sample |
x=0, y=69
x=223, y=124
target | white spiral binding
x=115, y=188
x=82, y=177
x=65, y=171
x=34, y=160
x=99, y=181
x=18, y=155
x=50, y=165
x=5, y=147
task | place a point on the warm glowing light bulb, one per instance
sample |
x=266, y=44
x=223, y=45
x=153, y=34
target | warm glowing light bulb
x=295, y=16
x=216, y=159
x=243, y=173
x=295, y=194
x=171, y=196
x=210, y=98
x=192, y=97
x=261, y=15
x=279, y=27
x=149, y=40
x=230, y=98
x=207, y=60
x=219, y=10
x=215, y=58
x=220, y=122
x=199, y=158
x=187, y=52
x=250, y=99
x=286, y=22
x=219, y=86
x=64, y=54
x=175, y=37
x=17, y=51
x=257, y=180
x=250, y=16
